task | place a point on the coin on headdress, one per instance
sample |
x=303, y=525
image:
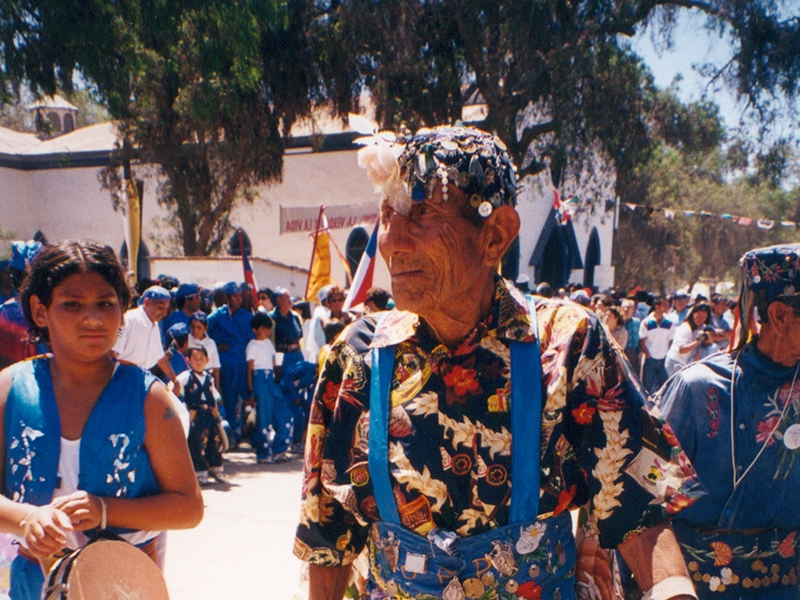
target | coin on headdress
x=485, y=209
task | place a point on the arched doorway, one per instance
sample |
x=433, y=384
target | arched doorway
x=554, y=261
x=235, y=243
x=556, y=253
x=142, y=261
x=592, y=258
x=356, y=244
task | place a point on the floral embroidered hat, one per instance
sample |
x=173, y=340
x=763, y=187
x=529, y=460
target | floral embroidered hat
x=405, y=169
x=771, y=274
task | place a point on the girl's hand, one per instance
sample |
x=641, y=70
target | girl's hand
x=84, y=510
x=44, y=531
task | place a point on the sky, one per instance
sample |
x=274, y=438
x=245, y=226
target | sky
x=694, y=46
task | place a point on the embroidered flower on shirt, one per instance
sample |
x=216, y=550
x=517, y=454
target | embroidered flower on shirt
x=764, y=430
x=565, y=499
x=584, y=413
x=786, y=548
x=722, y=554
x=462, y=380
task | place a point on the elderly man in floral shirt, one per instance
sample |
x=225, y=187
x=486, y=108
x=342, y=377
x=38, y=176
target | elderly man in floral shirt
x=737, y=415
x=410, y=449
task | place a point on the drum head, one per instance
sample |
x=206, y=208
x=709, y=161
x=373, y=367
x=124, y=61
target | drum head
x=115, y=570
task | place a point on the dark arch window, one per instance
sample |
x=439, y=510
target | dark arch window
x=510, y=264
x=237, y=240
x=356, y=244
x=55, y=121
x=142, y=261
x=69, y=123
x=592, y=258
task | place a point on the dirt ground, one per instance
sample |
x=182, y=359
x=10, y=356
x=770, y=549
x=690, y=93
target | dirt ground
x=243, y=547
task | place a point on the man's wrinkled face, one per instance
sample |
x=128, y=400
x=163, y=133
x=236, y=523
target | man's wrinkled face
x=156, y=309
x=433, y=253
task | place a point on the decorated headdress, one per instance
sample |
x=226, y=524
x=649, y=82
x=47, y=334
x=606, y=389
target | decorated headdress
x=406, y=168
x=768, y=275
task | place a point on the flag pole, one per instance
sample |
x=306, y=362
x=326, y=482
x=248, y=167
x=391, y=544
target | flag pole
x=314, y=249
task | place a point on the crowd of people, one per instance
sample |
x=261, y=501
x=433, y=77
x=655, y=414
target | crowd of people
x=659, y=334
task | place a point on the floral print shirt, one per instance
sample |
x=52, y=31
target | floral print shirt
x=697, y=404
x=450, y=438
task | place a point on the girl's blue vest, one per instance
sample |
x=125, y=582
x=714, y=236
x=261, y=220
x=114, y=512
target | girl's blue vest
x=113, y=460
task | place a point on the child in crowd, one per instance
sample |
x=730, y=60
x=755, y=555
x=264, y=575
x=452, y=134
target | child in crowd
x=207, y=438
x=198, y=336
x=270, y=409
x=90, y=444
x=178, y=337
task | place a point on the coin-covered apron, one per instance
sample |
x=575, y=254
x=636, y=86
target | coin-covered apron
x=527, y=559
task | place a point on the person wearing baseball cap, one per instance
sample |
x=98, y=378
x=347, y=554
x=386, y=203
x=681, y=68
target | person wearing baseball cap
x=187, y=302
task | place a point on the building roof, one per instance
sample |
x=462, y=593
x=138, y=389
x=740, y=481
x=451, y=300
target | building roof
x=55, y=101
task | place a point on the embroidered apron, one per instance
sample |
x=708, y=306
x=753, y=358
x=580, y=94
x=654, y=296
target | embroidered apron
x=726, y=564
x=527, y=559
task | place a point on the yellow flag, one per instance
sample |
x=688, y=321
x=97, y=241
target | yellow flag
x=134, y=233
x=319, y=273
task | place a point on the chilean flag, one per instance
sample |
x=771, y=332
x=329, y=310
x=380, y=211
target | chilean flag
x=362, y=280
x=249, y=277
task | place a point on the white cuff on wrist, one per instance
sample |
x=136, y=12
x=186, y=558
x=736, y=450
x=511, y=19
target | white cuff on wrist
x=677, y=585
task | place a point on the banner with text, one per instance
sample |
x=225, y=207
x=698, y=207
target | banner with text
x=297, y=219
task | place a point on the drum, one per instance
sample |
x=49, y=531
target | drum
x=108, y=569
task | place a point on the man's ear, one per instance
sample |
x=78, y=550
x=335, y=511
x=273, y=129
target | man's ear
x=38, y=312
x=779, y=315
x=500, y=229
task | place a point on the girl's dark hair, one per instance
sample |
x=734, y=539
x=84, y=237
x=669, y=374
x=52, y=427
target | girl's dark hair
x=616, y=312
x=56, y=262
x=261, y=319
x=698, y=307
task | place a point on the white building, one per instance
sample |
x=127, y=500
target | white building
x=52, y=188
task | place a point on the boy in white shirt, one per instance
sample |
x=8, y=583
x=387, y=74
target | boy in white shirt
x=271, y=411
x=198, y=326
x=206, y=441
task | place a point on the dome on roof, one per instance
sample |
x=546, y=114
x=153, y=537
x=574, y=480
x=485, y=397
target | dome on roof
x=55, y=101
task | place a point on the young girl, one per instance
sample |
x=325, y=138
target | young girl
x=85, y=443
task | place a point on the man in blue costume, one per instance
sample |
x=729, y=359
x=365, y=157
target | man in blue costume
x=288, y=329
x=14, y=344
x=187, y=302
x=416, y=433
x=737, y=415
x=229, y=327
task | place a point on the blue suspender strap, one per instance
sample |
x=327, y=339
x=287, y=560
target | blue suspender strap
x=526, y=426
x=380, y=388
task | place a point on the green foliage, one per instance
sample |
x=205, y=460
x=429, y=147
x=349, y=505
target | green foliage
x=209, y=89
x=206, y=90
x=663, y=254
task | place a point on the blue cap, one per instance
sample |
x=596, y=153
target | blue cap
x=177, y=330
x=156, y=292
x=199, y=316
x=187, y=289
x=231, y=288
x=23, y=253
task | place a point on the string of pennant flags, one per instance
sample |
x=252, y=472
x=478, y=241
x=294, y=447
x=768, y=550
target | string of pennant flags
x=669, y=213
x=565, y=209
